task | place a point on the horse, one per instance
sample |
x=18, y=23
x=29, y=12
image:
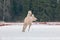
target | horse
x=28, y=20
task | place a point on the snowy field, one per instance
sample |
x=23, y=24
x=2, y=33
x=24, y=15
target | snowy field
x=37, y=32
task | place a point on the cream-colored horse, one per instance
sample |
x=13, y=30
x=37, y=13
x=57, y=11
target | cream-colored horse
x=28, y=20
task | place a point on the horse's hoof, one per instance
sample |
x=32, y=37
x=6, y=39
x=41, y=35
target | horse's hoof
x=23, y=31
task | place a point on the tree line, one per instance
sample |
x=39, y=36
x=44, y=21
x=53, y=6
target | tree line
x=16, y=10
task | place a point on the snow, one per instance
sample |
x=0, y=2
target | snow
x=37, y=32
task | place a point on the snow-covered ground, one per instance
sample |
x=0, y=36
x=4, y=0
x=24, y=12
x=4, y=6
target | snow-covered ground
x=37, y=32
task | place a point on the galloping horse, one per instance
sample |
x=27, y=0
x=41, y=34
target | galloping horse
x=28, y=21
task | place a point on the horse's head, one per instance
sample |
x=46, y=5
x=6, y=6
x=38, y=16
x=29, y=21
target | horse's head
x=33, y=18
x=29, y=13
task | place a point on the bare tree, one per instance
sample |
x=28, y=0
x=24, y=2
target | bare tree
x=1, y=10
x=6, y=10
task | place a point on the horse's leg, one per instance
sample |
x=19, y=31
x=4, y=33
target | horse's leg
x=29, y=26
x=24, y=27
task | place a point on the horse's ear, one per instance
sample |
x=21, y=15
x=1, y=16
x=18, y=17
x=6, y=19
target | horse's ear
x=33, y=15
